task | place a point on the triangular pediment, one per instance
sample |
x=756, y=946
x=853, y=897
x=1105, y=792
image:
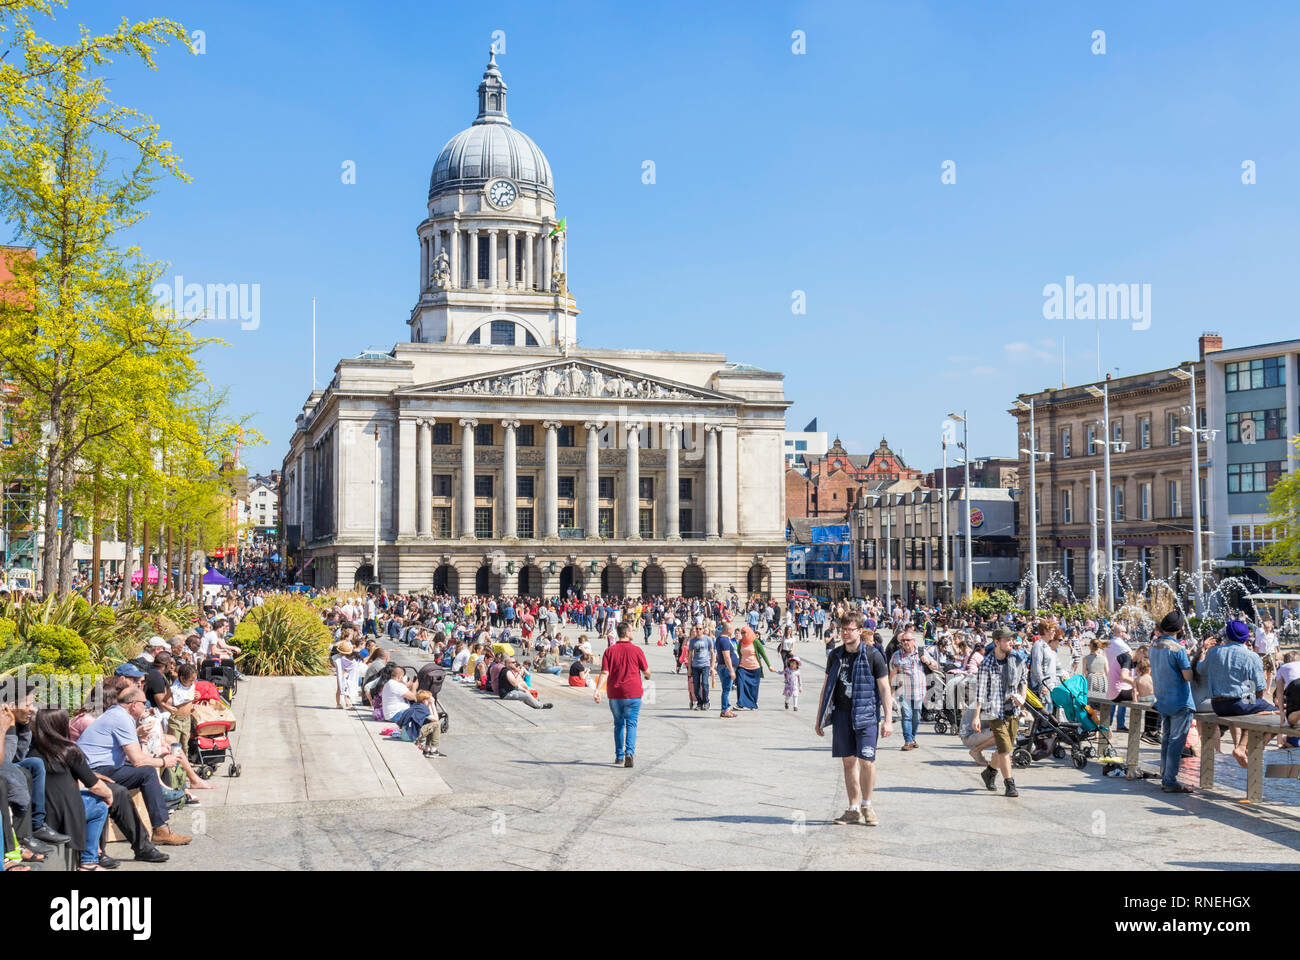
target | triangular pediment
x=578, y=379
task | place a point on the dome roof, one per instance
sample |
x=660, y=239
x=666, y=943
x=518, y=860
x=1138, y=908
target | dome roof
x=488, y=150
x=491, y=147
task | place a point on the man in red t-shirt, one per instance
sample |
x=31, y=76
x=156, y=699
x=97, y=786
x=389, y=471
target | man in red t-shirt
x=623, y=665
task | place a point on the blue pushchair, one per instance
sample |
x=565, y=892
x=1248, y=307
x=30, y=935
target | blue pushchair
x=1093, y=737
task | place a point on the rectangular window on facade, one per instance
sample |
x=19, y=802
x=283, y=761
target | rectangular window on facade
x=647, y=488
x=647, y=525
x=1144, y=433
x=685, y=521
x=606, y=521
x=524, y=519
x=1092, y=440
x=1171, y=494
x=483, y=435
x=1264, y=425
x=483, y=523
x=524, y=435
x=1144, y=500
x=801, y=444
x=524, y=487
x=1118, y=500
x=442, y=522
x=442, y=434
x=483, y=485
x=503, y=333
x=1255, y=374
x=1175, y=437
x=1065, y=444
x=1117, y=430
x=1038, y=505
x=564, y=437
x=1067, y=563
x=684, y=489
x=442, y=484
x=605, y=487
x=482, y=273
x=566, y=485
x=565, y=517
x=1204, y=512
x=1067, y=514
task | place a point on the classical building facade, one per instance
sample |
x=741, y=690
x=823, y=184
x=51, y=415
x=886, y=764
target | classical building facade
x=491, y=454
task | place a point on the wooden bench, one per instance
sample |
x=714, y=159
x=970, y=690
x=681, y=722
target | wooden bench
x=1136, y=726
x=1259, y=729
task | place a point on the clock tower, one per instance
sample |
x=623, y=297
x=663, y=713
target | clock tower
x=492, y=265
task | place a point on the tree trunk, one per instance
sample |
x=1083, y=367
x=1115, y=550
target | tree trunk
x=68, y=535
x=185, y=562
x=50, y=556
x=128, y=565
x=144, y=559
x=171, y=584
x=96, y=537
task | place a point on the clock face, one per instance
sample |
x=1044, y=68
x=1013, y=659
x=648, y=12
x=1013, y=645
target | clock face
x=501, y=193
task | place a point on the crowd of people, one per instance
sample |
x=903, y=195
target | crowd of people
x=62, y=778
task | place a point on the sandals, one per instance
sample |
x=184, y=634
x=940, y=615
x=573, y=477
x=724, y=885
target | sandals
x=16, y=866
x=90, y=868
x=30, y=857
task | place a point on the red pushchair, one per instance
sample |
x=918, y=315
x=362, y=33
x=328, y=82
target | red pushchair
x=210, y=727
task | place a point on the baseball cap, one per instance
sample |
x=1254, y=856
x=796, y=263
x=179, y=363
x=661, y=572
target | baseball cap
x=157, y=642
x=869, y=624
x=128, y=670
x=1003, y=633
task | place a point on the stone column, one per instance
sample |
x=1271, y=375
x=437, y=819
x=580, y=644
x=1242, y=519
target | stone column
x=510, y=482
x=530, y=261
x=467, y=477
x=551, y=520
x=512, y=250
x=406, y=474
x=494, y=275
x=472, y=256
x=633, y=491
x=711, y=431
x=455, y=257
x=425, y=511
x=672, y=504
x=544, y=268
x=730, y=474
x=424, y=265
x=592, y=503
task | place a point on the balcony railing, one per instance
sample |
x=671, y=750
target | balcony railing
x=573, y=533
x=693, y=534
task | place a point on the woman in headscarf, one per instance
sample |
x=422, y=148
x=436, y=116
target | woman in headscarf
x=749, y=673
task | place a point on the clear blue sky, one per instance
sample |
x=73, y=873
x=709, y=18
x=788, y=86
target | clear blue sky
x=775, y=173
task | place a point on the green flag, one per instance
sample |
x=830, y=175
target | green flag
x=559, y=228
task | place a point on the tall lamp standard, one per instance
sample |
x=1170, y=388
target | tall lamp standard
x=1120, y=446
x=965, y=447
x=1034, y=453
x=1198, y=434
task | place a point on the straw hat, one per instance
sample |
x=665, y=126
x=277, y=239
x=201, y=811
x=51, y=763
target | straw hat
x=344, y=648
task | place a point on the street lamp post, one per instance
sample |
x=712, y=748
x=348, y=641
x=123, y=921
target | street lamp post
x=1034, y=453
x=1092, y=536
x=886, y=518
x=1198, y=434
x=1121, y=446
x=944, y=515
x=965, y=447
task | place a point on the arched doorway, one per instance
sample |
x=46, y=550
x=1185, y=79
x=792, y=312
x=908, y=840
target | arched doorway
x=653, y=581
x=365, y=575
x=446, y=580
x=482, y=581
x=611, y=581
x=570, y=579
x=530, y=581
x=693, y=581
x=759, y=580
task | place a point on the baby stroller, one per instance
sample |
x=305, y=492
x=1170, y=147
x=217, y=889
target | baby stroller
x=1048, y=736
x=210, y=727
x=431, y=677
x=222, y=675
x=1071, y=695
x=949, y=694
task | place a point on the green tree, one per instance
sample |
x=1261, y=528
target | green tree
x=1284, y=511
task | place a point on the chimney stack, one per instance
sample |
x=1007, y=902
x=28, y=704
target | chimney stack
x=1209, y=343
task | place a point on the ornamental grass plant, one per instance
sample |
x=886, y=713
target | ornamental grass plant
x=284, y=637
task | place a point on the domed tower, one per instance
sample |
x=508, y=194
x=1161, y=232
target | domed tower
x=490, y=270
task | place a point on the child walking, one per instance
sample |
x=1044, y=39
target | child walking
x=793, y=683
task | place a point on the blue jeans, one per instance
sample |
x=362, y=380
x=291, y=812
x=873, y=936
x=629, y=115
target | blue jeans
x=36, y=767
x=1175, y=727
x=909, y=715
x=700, y=682
x=552, y=670
x=724, y=682
x=1121, y=714
x=625, y=713
x=96, y=817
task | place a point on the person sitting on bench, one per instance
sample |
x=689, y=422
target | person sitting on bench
x=1236, y=680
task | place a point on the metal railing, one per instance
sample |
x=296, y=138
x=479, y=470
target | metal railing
x=573, y=533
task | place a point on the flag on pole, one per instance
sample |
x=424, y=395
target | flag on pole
x=559, y=228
